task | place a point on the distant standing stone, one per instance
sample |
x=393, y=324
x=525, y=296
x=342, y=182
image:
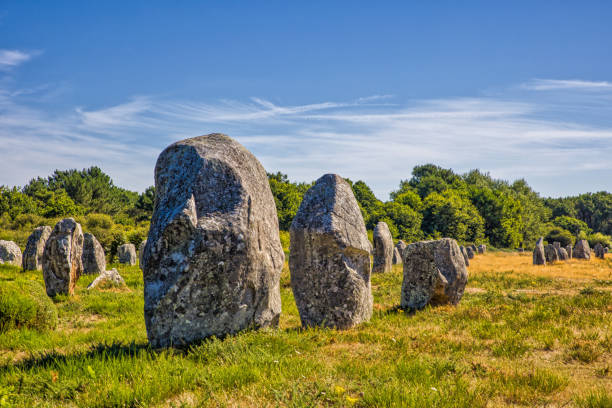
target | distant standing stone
x=551, y=253
x=33, y=254
x=557, y=244
x=62, y=258
x=111, y=276
x=470, y=252
x=127, y=254
x=141, y=248
x=570, y=251
x=10, y=253
x=582, y=250
x=599, y=251
x=482, y=248
x=474, y=249
x=94, y=260
x=606, y=250
x=563, y=255
x=213, y=257
x=466, y=258
x=397, y=258
x=383, y=248
x=330, y=257
x=539, y=255
x=434, y=273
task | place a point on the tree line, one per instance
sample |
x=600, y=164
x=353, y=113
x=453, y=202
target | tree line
x=433, y=203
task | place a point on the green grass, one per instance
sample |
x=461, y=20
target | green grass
x=516, y=339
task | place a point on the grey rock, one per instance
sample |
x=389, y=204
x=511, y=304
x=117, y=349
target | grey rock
x=397, y=258
x=539, y=254
x=401, y=245
x=434, y=273
x=582, y=250
x=470, y=252
x=551, y=253
x=570, y=251
x=213, y=257
x=482, y=248
x=466, y=258
x=563, y=255
x=94, y=260
x=62, y=258
x=111, y=276
x=32, y=256
x=474, y=249
x=330, y=257
x=606, y=250
x=126, y=254
x=10, y=253
x=383, y=248
x=599, y=251
x=557, y=244
x=141, y=248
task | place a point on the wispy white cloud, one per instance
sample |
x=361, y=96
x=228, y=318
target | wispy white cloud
x=566, y=84
x=13, y=58
x=361, y=139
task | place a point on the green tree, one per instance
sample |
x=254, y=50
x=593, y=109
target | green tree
x=449, y=214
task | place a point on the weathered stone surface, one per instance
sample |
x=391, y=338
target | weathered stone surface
x=383, y=248
x=94, y=260
x=434, y=273
x=464, y=253
x=563, y=255
x=10, y=253
x=551, y=253
x=126, y=254
x=32, y=256
x=482, y=248
x=397, y=258
x=470, y=252
x=570, y=251
x=213, y=256
x=330, y=257
x=62, y=258
x=599, y=251
x=474, y=249
x=539, y=254
x=111, y=276
x=401, y=245
x=141, y=252
x=582, y=250
x=557, y=244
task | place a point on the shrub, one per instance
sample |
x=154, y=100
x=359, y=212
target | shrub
x=24, y=303
x=560, y=235
x=599, y=238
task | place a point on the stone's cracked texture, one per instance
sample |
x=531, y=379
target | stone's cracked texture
x=383, y=248
x=466, y=258
x=62, y=259
x=551, y=253
x=434, y=273
x=141, y=252
x=126, y=254
x=35, y=247
x=582, y=249
x=10, y=253
x=539, y=254
x=94, y=260
x=330, y=257
x=213, y=257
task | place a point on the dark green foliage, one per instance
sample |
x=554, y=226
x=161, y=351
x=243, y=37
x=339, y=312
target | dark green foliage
x=594, y=209
x=571, y=224
x=24, y=304
x=560, y=235
x=450, y=214
x=599, y=238
x=287, y=196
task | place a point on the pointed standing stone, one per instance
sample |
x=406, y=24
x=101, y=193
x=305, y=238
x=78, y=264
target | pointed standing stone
x=32, y=256
x=466, y=258
x=330, y=257
x=570, y=251
x=127, y=254
x=582, y=250
x=539, y=255
x=94, y=260
x=599, y=251
x=62, y=258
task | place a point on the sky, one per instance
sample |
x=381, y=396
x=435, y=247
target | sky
x=366, y=90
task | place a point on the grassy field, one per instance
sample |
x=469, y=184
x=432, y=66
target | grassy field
x=521, y=336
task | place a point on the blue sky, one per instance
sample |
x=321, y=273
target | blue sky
x=363, y=89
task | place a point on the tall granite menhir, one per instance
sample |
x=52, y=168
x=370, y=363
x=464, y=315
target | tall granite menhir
x=32, y=256
x=330, y=257
x=213, y=257
x=62, y=259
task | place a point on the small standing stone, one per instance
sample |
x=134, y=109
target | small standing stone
x=570, y=251
x=606, y=250
x=434, y=273
x=599, y=250
x=474, y=249
x=482, y=248
x=466, y=258
x=111, y=276
x=539, y=254
x=582, y=250
x=141, y=248
x=94, y=260
x=383, y=248
x=127, y=254
x=32, y=256
x=62, y=258
x=563, y=255
x=330, y=257
x=551, y=253
x=10, y=253
x=470, y=252
x=397, y=258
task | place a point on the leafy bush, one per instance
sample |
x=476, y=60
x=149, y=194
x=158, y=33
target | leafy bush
x=560, y=235
x=599, y=238
x=24, y=303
